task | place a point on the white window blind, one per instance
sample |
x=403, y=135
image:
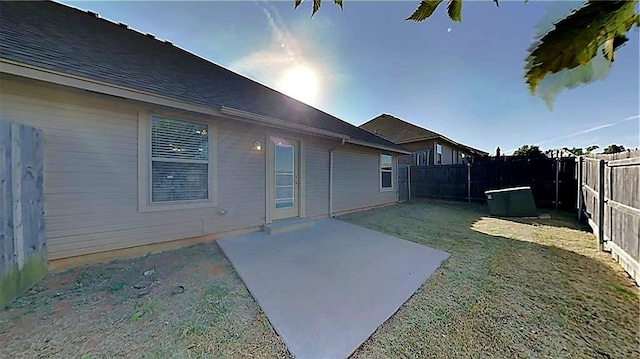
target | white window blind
x=179, y=160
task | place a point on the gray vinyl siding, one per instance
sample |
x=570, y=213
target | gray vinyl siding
x=356, y=179
x=316, y=154
x=448, y=157
x=91, y=179
x=91, y=172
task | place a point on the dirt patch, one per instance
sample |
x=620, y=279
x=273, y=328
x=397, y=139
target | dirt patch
x=60, y=282
x=178, y=304
x=62, y=308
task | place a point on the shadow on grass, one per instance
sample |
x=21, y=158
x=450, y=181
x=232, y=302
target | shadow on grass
x=558, y=219
x=511, y=288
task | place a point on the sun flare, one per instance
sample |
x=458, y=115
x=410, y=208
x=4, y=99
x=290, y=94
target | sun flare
x=300, y=83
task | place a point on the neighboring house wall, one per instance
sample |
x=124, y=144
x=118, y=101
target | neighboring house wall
x=422, y=152
x=356, y=179
x=91, y=172
x=450, y=154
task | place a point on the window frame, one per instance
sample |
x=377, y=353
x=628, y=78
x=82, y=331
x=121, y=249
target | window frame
x=145, y=159
x=380, y=171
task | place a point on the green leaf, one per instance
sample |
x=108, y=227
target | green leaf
x=576, y=39
x=316, y=6
x=426, y=9
x=454, y=8
x=551, y=86
x=297, y=3
x=339, y=3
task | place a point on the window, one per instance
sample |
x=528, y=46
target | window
x=420, y=158
x=439, y=154
x=176, y=162
x=179, y=160
x=386, y=172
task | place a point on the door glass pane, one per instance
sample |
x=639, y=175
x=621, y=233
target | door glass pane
x=284, y=180
x=284, y=173
x=285, y=203
x=284, y=192
x=284, y=159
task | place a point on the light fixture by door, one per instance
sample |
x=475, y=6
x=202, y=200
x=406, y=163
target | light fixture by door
x=257, y=146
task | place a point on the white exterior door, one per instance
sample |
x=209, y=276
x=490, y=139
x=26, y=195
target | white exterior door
x=285, y=180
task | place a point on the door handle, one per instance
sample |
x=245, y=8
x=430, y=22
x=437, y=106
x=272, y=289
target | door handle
x=297, y=179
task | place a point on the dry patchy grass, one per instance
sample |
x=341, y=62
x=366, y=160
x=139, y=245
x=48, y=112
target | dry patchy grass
x=512, y=288
x=96, y=312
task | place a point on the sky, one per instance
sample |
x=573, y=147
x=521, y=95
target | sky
x=463, y=80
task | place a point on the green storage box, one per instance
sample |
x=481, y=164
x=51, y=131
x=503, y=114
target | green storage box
x=511, y=202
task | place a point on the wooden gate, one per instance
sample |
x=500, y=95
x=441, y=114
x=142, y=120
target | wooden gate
x=22, y=239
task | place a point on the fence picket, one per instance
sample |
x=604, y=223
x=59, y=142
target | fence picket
x=22, y=241
x=607, y=195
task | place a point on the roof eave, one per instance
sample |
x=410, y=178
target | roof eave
x=59, y=78
x=417, y=140
x=470, y=149
x=274, y=122
x=377, y=146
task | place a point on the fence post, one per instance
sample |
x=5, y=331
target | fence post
x=409, y=181
x=557, y=181
x=469, y=182
x=579, y=173
x=610, y=207
x=601, y=200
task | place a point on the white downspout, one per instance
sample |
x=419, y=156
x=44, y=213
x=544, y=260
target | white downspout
x=331, y=178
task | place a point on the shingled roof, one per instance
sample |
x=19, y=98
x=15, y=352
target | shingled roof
x=400, y=132
x=60, y=38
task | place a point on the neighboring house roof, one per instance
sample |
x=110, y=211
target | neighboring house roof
x=401, y=132
x=59, y=38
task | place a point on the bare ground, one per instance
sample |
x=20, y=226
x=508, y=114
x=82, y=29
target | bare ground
x=512, y=288
x=195, y=306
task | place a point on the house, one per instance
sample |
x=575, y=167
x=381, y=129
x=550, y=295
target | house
x=426, y=147
x=149, y=147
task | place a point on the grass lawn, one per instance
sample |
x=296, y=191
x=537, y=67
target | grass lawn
x=512, y=288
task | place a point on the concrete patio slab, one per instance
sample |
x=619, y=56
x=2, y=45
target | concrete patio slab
x=327, y=288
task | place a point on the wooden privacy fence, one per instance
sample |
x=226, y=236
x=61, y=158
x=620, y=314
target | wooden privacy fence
x=552, y=181
x=403, y=183
x=609, y=198
x=22, y=240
